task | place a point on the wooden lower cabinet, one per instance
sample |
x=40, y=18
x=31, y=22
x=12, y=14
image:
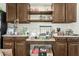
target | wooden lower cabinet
x=8, y=43
x=60, y=49
x=66, y=46
x=73, y=49
x=18, y=45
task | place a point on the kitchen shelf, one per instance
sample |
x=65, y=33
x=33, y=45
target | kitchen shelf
x=40, y=12
x=41, y=40
x=40, y=20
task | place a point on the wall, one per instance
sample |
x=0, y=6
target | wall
x=3, y=6
x=34, y=27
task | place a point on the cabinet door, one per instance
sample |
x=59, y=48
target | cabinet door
x=59, y=13
x=23, y=12
x=60, y=49
x=71, y=12
x=8, y=43
x=11, y=12
x=73, y=49
x=20, y=47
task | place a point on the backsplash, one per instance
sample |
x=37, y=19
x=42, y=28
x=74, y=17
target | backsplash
x=34, y=27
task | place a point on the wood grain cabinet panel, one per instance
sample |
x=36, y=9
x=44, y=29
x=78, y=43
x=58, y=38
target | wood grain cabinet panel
x=23, y=12
x=73, y=46
x=71, y=12
x=8, y=43
x=59, y=13
x=18, y=11
x=73, y=49
x=60, y=49
x=20, y=47
x=11, y=12
x=17, y=44
x=64, y=12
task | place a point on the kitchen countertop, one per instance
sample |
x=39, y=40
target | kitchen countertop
x=14, y=35
x=64, y=36
x=29, y=39
x=26, y=35
x=37, y=39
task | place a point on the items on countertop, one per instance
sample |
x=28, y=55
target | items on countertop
x=61, y=32
x=69, y=32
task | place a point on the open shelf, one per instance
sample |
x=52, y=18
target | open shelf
x=40, y=20
x=40, y=12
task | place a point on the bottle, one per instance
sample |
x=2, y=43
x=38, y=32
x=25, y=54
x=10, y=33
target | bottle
x=58, y=29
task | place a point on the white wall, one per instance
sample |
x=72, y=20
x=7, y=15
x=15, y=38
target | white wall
x=3, y=6
x=34, y=27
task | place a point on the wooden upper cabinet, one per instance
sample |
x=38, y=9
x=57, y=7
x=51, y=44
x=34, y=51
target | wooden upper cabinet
x=59, y=13
x=18, y=11
x=11, y=12
x=23, y=12
x=71, y=12
x=64, y=12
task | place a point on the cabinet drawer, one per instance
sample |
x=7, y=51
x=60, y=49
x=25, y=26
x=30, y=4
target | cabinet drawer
x=60, y=39
x=74, y=39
